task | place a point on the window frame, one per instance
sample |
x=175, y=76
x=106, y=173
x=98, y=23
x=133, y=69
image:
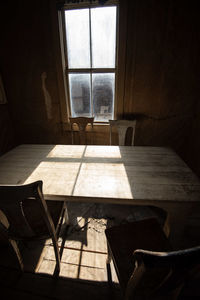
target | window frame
x=67, y=70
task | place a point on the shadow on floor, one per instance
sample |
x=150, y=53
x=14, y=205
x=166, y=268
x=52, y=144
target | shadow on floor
x=42, y=286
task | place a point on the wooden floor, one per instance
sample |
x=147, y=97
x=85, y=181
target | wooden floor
x=83, y=262
x=15, y=285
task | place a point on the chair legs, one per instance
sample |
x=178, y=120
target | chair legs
x=109, y=257
x=17, y=252
x=57, y=256
x=108, y=261
x=109, y=274
x=55, y=240
x=20, y=260
x=66, y=216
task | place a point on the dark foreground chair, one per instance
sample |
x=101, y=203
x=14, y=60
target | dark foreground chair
x=145, y=264
x=30, y=217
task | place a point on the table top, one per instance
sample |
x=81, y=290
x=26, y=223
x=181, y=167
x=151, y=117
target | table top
x=115, y=174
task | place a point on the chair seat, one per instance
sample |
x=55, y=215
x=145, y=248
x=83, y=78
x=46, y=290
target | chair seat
x=123, y=240
x=35, y=216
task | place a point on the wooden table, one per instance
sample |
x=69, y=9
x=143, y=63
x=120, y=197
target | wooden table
x=109, y=174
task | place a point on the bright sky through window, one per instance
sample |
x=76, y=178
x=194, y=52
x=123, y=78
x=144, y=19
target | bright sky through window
x=91, y=54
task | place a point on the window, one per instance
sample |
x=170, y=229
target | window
x=91, y=61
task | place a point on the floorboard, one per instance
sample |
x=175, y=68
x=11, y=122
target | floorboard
x=83, y=246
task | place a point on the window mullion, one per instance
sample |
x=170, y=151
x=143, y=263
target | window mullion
x=93, y=70
x=91, y=93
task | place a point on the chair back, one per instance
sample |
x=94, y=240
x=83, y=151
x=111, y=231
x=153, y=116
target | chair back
x=82, y=123
x=122, y=127
x=14, y=205
x=162, y=275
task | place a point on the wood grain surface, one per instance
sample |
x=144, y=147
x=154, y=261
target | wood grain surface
x=102, y=173
x=109, y=174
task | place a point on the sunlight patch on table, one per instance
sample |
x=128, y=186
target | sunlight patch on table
x=102, y=151
x=103, y=184
x=58, y=177
x=67, y=151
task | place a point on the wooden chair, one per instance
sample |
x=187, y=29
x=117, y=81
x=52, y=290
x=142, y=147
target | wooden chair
x=30, y=217
x=122, y=127
x=145, y=264
x=82, y=123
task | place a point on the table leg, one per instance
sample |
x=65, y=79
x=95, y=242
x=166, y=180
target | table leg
x=178, y=220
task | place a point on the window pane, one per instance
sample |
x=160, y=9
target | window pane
x=78, y=41
x=103, y=27
x=103, y=95
x=79, y=85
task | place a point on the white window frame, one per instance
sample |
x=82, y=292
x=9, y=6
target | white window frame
x=87, y=4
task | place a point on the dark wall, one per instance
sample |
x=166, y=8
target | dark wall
x=7, y=136
x=158, y=77
x=162, y=74
x=27, y=56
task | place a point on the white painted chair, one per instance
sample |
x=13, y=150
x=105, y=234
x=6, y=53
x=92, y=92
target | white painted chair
x=122, y=127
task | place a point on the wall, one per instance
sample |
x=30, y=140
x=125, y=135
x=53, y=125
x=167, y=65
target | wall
x=161, y=80
x=28, y=68
x=7, y=139
x=158, y=76
x=161, y=75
